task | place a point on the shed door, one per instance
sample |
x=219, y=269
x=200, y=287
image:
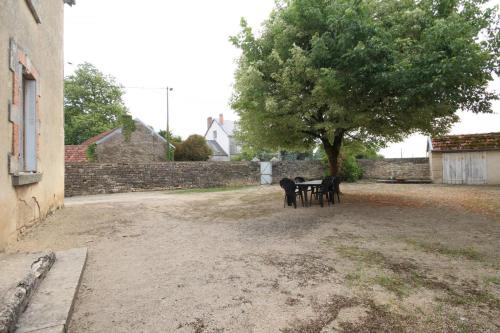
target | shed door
x=266, y=173
x=464, y=168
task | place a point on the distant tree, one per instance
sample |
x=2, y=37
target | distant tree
x=323, y=71
x=194, y=148
x=174, y=140
x=93, y=104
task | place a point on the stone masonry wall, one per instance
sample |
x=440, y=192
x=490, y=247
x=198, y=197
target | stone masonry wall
x=97, y=178
x=143, y=146
x=397, y=168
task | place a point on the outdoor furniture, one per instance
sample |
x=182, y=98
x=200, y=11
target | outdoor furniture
x=325, y=189
x=302, y=188
x=291, y=193
x=311, y=185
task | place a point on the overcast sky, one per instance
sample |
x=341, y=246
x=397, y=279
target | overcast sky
x=184, y=44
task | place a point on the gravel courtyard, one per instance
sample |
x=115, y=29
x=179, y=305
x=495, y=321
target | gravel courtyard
x=396, y=258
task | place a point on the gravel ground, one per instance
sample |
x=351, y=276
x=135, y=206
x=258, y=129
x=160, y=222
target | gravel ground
x=398, y=258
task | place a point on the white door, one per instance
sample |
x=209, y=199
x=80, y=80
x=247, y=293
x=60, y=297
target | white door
x=464, y=168
x=266, y=173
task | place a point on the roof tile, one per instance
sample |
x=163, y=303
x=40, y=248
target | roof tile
x=467, y=142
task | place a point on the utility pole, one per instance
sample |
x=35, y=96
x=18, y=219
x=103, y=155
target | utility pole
x=168, y=125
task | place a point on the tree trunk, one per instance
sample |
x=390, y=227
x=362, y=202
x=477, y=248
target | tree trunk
x=333, y=151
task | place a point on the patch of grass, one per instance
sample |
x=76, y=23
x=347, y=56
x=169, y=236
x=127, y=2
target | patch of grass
x=470, y=297
x=492, y=280
x=359, y=254
x=395, y=284
x=208, y=190
x=454, y=252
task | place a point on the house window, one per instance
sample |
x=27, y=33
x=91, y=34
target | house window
x=23, y=115
x=215, y=135
x=27, y=144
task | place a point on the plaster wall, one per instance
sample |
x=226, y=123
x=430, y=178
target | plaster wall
x=23, y=206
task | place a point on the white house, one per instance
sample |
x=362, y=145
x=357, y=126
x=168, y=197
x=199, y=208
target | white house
x=220, y=139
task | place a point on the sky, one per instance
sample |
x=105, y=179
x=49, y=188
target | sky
x=185, y=45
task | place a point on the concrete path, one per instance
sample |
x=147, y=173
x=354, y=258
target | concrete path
x=50, y=308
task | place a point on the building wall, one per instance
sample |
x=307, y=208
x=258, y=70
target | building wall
x=96, y=178
x=142, y=147
x=222, y=138
x=23, y=206
x=493, y=167
x=396, y=168
x=436, y=166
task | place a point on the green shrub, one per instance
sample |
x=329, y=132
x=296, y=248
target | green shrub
x=350, y=170
x=91, y=153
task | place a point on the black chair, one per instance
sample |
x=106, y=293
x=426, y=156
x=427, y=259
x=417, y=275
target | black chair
x=299, y=179
x=324, y=190
x=291, y=193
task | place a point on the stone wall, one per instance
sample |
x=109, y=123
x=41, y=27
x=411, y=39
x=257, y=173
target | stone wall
x=292, y=169
x=143, y=146
x=96, y=178
x=396, y=168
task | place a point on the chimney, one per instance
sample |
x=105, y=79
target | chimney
x=221, y=119
x=209, y=122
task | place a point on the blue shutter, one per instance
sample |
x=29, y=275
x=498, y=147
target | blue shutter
x=30, y=125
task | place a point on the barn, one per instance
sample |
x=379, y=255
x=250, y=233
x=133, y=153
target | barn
x=465, y=159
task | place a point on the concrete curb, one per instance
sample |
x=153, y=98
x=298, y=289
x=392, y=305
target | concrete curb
x=17, y=300
x=51, y=307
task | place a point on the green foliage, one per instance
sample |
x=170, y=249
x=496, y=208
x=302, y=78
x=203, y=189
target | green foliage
x=91, y=152
x=93, y=104
x=323, y=71
x=194, y=148
x=175, y=140
x=350, y=170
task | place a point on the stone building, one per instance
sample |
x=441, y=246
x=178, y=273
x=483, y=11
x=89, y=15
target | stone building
x=220, y=138
x=465, y=159
x=143, y=145
x=32, y=122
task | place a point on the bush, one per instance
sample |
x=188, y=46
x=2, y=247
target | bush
x=194, y=148
x=350, y=170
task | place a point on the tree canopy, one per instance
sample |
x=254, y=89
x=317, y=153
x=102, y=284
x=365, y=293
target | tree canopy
x=194, y=148
x=323, y=71
x=93, y=104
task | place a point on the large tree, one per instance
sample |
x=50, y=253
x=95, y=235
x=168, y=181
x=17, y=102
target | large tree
x=325, y=71
x=92, y=104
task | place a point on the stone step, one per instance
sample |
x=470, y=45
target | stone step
x=49, y=311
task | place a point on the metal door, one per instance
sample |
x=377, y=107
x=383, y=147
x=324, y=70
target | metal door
x=266, y=173
x=464, y=168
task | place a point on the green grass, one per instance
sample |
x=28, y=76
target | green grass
x=395, y=284
x=454, y=252
x=209, y=189
x=359, y=254
x=492, y=280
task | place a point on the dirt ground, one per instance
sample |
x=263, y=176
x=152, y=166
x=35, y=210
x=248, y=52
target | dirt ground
x=389, y=258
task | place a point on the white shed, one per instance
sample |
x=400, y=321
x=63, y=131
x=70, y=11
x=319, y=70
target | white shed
x=465, y=159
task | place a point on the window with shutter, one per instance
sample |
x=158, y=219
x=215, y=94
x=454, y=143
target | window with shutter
x=23, y=114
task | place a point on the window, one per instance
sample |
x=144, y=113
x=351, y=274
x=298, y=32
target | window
x=23, y=115
x=215, y=135
x=27, y=144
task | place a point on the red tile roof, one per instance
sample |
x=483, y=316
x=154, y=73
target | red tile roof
x=96, y=138
x=78, y=153
x=467, y=142
x=75, y=154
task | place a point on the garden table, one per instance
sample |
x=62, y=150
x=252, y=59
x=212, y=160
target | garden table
x=304, y=186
